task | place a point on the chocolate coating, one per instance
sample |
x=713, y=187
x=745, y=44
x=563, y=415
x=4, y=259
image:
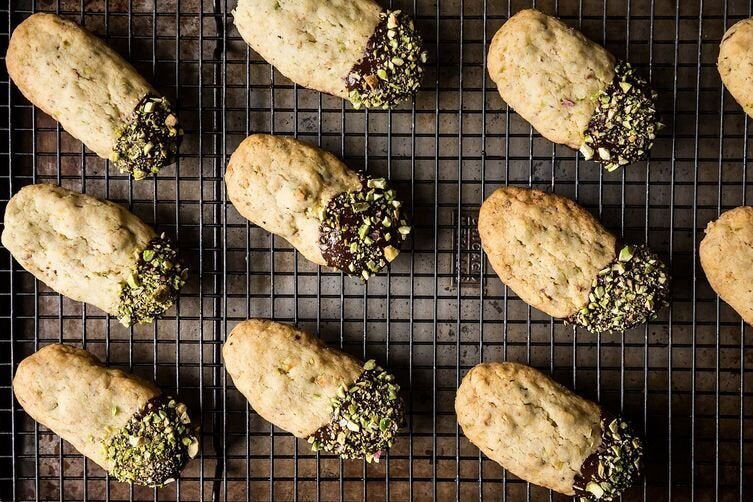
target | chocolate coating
x=624, y=125
x=391, y=68
x=615, y=466
x=361, y=231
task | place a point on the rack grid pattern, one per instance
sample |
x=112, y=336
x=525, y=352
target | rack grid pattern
x=685, y=379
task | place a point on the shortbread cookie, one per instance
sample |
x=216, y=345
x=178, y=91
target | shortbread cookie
x=348, y=48
x=735, y=63
x=545, y=434
x=558, y=258
x=296, y=382
x=572, y=90
x=94, y=93
x=118, y=420
x=93, y=251
x=727, y=259
x=332, y=215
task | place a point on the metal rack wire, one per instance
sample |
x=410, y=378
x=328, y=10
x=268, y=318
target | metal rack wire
x=685, y=379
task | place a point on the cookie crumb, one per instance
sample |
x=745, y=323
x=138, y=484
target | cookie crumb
x=390, y=70
x=149, y=140
x=365, y=417
x=627, y=293
x=154, y=445
x=624, y=125
x=153, y=283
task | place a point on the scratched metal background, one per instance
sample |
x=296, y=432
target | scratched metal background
x=685, y=380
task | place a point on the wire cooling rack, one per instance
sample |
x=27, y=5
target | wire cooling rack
x=685, y=379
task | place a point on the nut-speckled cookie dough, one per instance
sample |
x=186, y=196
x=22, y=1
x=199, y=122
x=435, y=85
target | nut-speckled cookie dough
x=348, y=48
x=727, y=259
x=558, y=258
x=572, y=90
x=546, y=434
x=735, y=63
x=93, y=251
x=118, y=420
x=332, y=215
x=296, y=382
x=94, y=93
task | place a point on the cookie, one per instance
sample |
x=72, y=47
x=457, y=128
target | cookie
x=558, y=258
x=116, y=419
x=352, y=49
x=94, y=93
x=293, y=380
x=333, y=216
x=545, y=434
x=93, y=251
x=735, y=63
x=572, y=90
x=727, y=259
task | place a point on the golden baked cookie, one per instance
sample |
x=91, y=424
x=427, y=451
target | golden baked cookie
x=118, y=420
x=572, y=90
x=558, y=258
x=332, y=215
x=293, y=380
x=735, y=63
x=727, y=259
x=93, y=251
x=545, y=434
x=348, y=48
x=94, y=93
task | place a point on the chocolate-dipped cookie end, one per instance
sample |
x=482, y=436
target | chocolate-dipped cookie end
x=624, y=125
x=149, y=140
x=614, y=467
x=391, y=68
x=365, y=417
x=153, y=283
x=361, y=231
x=627, y=293
x=154, y=445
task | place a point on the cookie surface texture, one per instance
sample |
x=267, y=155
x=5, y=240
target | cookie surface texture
x=545, y=247
x=69, y=391
x=529, y=424
x=76, y=78
x=314, y=43
x=284, y=185
x=288, y=376
x=550, y=74
x=726, y=254
x=735, y=63
x=80, y=246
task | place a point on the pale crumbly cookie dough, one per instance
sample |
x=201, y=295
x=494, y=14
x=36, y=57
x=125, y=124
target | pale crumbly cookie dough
x=80, y=246
x=546, y=434
x=348, y=48
x=735, y=63
x=70, y=392
x=550, y=74
x=283, y=185
x=287, y=375
x=727, y=259
x=95, y=94
x=547, y=248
